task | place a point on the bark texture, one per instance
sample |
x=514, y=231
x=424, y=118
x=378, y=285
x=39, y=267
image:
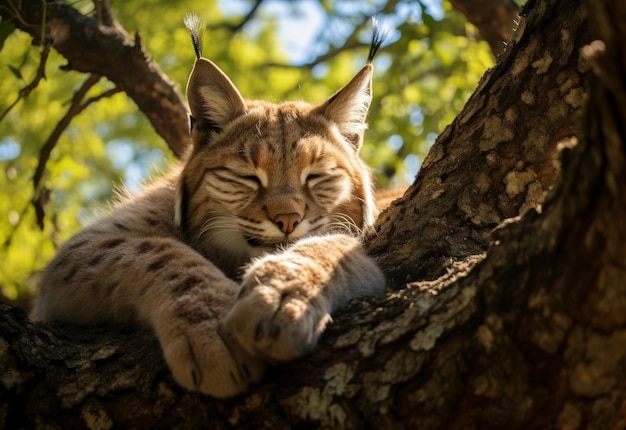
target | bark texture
x=498, y=157
x=521, y=327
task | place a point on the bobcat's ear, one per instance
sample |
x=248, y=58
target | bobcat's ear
x=213, y=98
x=349, y=106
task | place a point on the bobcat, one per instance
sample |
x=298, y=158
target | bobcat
x=238, y=257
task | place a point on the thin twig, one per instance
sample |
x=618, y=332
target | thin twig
x=41, y=74
x=15, y=13
x=248, y=17
x=350, y=43
x=77, y=106
x=237, y=27
x=321, y=58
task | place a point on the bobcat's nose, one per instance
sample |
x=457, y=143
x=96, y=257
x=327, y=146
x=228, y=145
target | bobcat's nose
x=287, y=222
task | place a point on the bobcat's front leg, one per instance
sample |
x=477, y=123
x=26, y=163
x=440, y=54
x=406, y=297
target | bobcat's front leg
x=201, y=354
x=159, y=281
x=287, y=299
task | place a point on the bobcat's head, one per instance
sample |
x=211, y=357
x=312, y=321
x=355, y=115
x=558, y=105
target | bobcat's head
x=262, y=175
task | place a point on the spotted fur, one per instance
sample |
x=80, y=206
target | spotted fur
x=237, y=257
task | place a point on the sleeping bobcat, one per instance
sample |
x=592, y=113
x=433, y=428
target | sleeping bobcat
x=239, y=256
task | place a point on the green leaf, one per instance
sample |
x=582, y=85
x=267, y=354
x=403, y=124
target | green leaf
x=16, y=72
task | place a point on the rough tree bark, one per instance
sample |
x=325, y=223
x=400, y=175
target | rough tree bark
x=498, y=157
x=520, y=327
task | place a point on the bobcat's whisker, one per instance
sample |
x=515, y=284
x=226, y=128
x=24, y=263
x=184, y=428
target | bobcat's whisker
x=345, y=223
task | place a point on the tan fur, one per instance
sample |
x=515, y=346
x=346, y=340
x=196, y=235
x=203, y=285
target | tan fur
x=239, y=256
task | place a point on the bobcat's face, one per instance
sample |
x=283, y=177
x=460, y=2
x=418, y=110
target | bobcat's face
x=261, y=175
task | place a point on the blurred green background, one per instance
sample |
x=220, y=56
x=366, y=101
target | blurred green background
x=424, y=73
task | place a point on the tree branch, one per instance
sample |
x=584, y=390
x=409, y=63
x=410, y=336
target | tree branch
x=234, y=28
x=81, y=40
x=347, y=46
x=495, y=19
x=40, y=198
x=350, y=43
x=41, y=74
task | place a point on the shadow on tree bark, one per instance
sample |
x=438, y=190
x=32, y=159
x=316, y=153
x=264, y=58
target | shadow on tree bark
x=509, y=306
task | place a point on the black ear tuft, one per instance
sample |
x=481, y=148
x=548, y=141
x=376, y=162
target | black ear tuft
x=195, y=26
x=379, y=36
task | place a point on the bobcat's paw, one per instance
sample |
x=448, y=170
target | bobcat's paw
x=207, y=359
x=280, y=312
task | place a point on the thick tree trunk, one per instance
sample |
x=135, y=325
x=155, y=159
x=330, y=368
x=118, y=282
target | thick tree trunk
x=519, y=328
